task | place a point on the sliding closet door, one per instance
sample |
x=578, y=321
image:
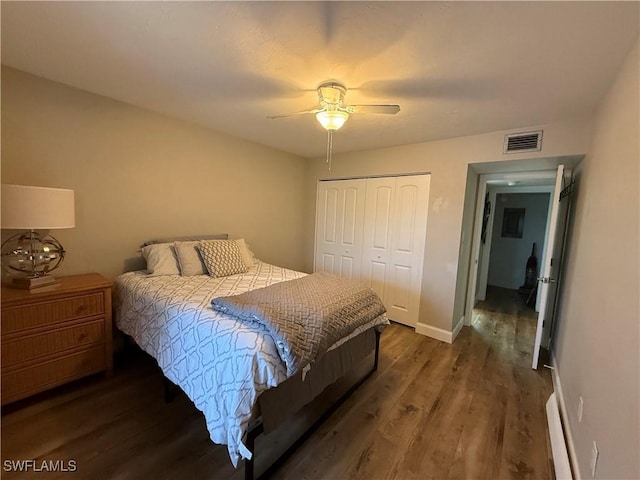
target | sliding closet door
x=376, y=253
x=394, y=239
x=339, y=226
x=409, y=225
x=374, y=230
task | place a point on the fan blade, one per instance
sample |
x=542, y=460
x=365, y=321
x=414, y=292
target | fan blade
x=390, y=109
x=295, y=113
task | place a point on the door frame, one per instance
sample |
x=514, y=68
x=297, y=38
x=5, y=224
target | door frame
x=507, y=179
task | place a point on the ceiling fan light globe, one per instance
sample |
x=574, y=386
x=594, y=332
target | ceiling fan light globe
x=332, y=119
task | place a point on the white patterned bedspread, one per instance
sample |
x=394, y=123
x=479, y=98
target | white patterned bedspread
x=221, y=364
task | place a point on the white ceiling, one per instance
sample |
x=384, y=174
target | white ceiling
x=455, y=68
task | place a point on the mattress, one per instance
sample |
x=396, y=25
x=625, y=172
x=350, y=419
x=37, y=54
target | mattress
x=221, y=364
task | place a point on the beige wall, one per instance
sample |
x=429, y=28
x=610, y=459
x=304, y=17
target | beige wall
x=139, y=175
x=597, y=348
x=448, y=162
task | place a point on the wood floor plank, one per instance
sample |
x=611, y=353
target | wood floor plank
x=335, y=447
x=473, y=409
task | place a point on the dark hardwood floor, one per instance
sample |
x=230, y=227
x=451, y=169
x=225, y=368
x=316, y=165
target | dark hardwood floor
x=474, y=409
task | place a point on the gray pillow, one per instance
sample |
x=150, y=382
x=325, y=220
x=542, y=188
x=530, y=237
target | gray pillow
x=222, y=258
x=189, y=258
x=190, y=238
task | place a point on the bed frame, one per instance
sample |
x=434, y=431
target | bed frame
x=257, y=427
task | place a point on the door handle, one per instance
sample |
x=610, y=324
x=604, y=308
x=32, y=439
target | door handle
x=546, y=280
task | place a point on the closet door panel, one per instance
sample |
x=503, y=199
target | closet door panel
x=409, y=226
x=400, y=292
x=327, y=263
x=350, y=212
x=327, y=228
x=380, y=205
x=377, y=234
x=339, y=225
x=351, y=215
x=374, y=275
x=405, y=217
x=330, y=216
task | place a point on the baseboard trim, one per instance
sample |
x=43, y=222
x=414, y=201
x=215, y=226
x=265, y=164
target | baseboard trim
x=457, y=328
x=557, y=388
x=434, y=332
x=558, y=443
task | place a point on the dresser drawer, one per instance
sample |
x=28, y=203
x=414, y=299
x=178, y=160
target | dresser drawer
x=27, y=381
x=23, y=317
x=32, y=347
x=52, y=336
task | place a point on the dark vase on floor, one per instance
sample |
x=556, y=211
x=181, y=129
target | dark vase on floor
x=531, y=273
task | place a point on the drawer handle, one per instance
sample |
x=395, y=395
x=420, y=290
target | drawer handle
x=82, y=308
x=81, y=337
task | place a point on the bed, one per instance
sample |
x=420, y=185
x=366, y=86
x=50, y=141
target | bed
x=231, y=371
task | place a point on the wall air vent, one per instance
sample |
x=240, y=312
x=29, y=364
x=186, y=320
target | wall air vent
x=523, y=142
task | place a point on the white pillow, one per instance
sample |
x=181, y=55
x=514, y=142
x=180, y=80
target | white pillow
x=161, y=259
x=189, y=259
x=248, y=257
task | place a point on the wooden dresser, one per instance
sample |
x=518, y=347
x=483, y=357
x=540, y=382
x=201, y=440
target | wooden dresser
x=55, y=335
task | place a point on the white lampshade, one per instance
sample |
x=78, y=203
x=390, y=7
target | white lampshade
x=31, y=208
x=332, y=119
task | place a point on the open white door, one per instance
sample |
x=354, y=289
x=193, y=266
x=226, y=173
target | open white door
x=548, y=283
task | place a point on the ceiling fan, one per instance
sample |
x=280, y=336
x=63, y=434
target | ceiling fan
x=334, y=113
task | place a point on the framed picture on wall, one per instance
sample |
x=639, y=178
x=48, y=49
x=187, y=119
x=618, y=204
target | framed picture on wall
x=513, y=222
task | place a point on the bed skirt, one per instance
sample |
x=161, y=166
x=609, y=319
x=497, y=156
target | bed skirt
x=295, y=403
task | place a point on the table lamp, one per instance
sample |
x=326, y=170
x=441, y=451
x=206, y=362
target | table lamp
x=29, y=257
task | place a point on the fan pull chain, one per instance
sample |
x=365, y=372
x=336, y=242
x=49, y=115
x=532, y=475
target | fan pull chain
x=329, y=147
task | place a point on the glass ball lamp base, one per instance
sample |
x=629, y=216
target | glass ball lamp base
x=28, y=258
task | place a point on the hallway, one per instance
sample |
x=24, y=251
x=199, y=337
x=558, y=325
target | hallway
x=506, y=313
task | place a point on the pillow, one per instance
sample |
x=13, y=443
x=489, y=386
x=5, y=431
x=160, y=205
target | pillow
x=222, y=258
x=189, y=259
x=218, y=236
x=247, y=255
x=191, y=263
x=161, y=259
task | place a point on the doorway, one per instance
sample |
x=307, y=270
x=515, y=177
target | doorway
x=514, y=241
x=524, y=192
x=484, y=224
x=507, y=293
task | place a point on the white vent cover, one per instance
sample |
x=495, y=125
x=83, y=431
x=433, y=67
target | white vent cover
x=523, y=142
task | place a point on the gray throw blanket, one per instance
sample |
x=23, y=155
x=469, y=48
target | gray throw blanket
x=307, y=315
